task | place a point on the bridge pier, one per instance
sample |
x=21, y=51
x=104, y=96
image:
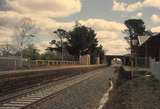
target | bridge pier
x=108, y=61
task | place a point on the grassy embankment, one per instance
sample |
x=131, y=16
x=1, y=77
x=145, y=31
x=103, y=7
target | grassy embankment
x=142, y=92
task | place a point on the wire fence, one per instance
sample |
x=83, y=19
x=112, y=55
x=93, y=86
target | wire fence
x=15, y=63
x=141, y=62
x=144, y=62
x=9, y=63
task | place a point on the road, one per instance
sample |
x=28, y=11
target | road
x=85, y=94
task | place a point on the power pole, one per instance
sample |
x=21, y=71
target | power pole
x=130, y=41
x=62, y=54
x=132, y=62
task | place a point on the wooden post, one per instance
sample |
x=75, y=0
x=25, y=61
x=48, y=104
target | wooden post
x=36, y=62
x=15, y=64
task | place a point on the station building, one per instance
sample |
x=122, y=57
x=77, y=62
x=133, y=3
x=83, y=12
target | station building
x=147, y=52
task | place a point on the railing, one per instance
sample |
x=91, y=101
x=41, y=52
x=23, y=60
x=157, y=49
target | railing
x=52, y=62
x=14, y=63
x=142, y=62
x=10, y=63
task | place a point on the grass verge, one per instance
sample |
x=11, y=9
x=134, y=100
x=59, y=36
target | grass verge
x=142, y=92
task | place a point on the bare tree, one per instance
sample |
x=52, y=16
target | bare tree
x=24, y=33
x=7, y=50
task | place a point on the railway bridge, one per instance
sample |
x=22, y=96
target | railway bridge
x=124, y=58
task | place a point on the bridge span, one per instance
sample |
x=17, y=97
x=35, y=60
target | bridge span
x=124, y=58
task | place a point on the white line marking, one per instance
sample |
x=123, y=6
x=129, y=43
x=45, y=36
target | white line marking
x=105, y=98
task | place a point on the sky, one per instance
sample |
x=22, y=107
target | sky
x=106, y=17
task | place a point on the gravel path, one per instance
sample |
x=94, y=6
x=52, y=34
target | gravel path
x=84, y=95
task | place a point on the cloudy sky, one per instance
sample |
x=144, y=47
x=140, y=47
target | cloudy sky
x=105, y=16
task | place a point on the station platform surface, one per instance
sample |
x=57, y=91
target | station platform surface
x=48, y=68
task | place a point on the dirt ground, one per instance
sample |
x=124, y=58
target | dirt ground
x=142, y=92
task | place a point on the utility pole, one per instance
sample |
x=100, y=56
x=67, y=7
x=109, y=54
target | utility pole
x=62, y=54
x=132, y=62
x=146, y=56
x=133, y=44
x=130, y=41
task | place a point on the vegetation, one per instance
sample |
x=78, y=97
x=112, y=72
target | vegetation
x=136, y=27
x=142, y=92
x=79, y=41
x=48, y=55
x=82, y=41
x=24, y=32
x=7, y=50
x=31, y=52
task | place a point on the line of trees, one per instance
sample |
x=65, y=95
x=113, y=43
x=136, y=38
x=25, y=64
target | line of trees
x=24, y=33
x=81, y=40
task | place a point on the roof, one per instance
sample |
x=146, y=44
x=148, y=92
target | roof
x=145, y=39
x=142, y=39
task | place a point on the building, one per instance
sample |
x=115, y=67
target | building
x=147, y=52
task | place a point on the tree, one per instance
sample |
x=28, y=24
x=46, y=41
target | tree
x=50, y=55
x=55, y=50
x=98, y=52
x=82, y=40
x=62, y=34
x=25, y=31
x=31, y=52
x=136, y=27
x=7, y=50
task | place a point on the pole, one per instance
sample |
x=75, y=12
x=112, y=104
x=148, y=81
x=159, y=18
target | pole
x=62, y=50
x=21, y=54
x=7, y=54
x=146, y=56
x=132, y=59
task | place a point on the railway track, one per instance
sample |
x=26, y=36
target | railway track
x=15, y=82
x=32, y=98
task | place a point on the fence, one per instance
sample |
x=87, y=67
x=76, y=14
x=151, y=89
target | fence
x=137, y=61
x=11, y=63
x=51, y=63
x=141, y=62
x=85, y=60
x=14, y=63
x=153, y=65
x=155, y=68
